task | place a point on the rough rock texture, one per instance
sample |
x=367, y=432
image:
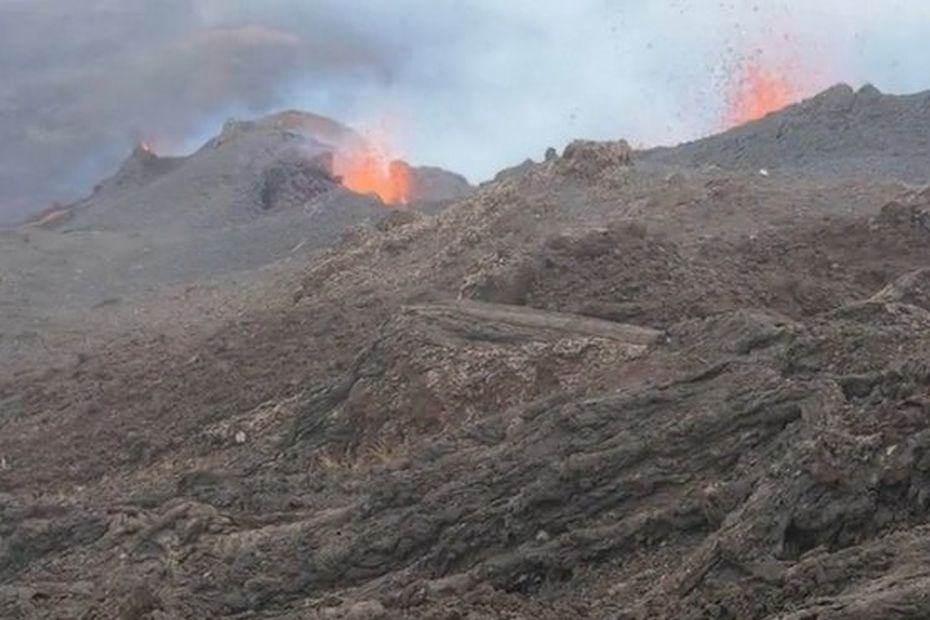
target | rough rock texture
x=439, y=367
x=294, y=182
x=587, y=390
x=589, y=159
x=429, y=184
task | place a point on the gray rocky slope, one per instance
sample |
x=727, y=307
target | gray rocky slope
x=840, y=132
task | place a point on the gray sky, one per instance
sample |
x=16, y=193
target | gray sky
x=472, y=85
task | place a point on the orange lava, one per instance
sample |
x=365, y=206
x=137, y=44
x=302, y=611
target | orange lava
x=368, y=170
x=758, y=92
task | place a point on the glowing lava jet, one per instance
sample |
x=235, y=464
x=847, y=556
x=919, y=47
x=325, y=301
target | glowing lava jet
x=368, y=169
x=757, y=92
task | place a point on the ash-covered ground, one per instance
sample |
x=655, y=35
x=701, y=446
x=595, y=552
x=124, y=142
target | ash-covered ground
x=681, y=383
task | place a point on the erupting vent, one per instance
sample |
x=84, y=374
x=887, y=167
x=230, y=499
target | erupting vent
x=370, y=168
x=759, y=91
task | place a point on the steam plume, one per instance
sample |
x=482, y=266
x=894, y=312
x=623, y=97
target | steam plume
x=472, y=86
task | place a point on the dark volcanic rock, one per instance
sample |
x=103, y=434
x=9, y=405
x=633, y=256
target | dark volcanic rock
x=295, y=181
x=429, y=184
x=588, y=158
x=586, y=390
x=840, y=132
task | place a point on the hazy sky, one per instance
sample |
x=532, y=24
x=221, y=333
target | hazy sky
x=472, y=85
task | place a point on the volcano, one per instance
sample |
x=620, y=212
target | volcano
x=609, y=384
x=229, y=180
x=246, y=199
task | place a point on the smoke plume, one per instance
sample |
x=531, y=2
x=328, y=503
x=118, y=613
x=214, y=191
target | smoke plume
x=85, y=81
x=472, y=86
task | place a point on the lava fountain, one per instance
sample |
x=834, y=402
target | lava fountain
x=759, y=91
x=368, y=168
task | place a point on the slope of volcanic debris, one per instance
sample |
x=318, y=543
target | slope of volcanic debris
x=840, y=132
x=218, y=185
x=595, y=388
x=245, y=199
x=252, y=202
